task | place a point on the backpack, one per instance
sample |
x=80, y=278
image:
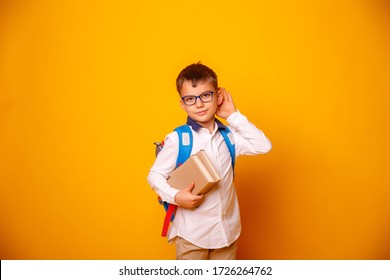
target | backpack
x=185, y=147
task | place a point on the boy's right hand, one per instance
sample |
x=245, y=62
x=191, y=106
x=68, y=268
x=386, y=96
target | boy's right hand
x=186, y=199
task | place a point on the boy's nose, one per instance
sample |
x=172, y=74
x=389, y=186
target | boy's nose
x=199, y=103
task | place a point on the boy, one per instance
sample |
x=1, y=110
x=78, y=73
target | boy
x=206, y=226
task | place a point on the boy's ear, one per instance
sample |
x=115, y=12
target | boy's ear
x=219, y=96
x=182, y=105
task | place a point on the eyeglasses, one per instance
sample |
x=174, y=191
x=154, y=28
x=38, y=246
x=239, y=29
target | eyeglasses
x=205, y=97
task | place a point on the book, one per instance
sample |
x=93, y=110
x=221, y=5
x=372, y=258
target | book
x=198, y=169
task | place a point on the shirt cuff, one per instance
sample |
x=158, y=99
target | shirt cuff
x=173, y=194
x=234, y=118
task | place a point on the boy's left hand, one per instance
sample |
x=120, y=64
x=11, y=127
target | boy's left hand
x=226, y=105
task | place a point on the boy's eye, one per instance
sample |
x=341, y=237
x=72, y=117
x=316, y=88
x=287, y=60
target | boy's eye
x=190, y=99
x=206, y=95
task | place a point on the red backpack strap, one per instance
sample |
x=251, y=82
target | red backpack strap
x=168, y=216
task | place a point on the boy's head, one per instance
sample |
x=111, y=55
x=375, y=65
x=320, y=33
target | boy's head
x=196, y=73
x=200, y=97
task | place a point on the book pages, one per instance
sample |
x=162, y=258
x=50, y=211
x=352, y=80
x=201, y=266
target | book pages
x=198, y=169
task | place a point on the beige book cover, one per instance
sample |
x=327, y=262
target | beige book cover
x=198, y=169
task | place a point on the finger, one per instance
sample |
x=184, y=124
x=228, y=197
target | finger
x=191, y=187
x=196, y=204
x=199, y=197
x=228, y=96
x=198, y=201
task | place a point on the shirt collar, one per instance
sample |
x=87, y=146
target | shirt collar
x=196, y=126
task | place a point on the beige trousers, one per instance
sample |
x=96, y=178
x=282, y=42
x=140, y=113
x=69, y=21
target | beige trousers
x=188, y=251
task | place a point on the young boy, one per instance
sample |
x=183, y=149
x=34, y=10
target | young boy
x=206, y=226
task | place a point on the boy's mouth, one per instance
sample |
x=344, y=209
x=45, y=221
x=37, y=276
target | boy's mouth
x=201, y=113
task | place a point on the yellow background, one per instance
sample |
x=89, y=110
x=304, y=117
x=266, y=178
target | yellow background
x=86, y=87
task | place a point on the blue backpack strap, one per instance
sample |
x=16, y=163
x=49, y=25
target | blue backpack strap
x=228, y=137
x=185, y=147
x=185, y=144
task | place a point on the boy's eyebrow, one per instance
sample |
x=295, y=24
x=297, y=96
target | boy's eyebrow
x=209, y=90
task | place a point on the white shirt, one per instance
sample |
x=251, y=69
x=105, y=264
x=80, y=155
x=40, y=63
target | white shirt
x=216, y=222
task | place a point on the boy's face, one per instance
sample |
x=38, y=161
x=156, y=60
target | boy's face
x=201, y=112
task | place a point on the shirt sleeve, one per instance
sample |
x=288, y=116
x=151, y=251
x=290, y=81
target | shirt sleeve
x=248, y=139
x=164, y=164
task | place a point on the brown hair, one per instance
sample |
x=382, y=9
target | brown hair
x=196, y=72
